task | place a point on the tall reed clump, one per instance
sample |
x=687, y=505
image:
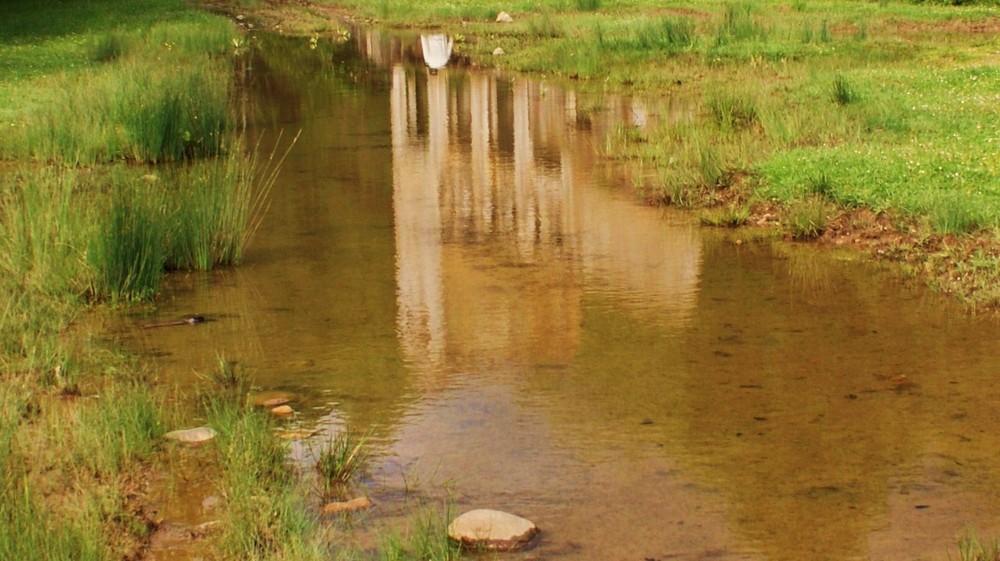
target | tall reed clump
x=265, y=515
x=807, y=217
x=128, y=251
x=216, y=207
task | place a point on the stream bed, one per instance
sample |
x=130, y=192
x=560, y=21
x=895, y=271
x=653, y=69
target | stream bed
x=449, y=265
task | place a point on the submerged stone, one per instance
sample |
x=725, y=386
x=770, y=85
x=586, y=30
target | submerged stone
x=191, y=436
x=272, y=399
x=352, y=505
x=282, y=411
x=492, y=530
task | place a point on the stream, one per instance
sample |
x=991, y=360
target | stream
x=449, y=264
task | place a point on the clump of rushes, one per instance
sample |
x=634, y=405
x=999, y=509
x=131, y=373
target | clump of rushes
x=670, y=34
x=217, y=206
x=738, y=24
x=231, y=376
x=340, y=460
x=128, y=251
x=734, y=110
x=971, y=548
x=844, y=93
x=807, y=217
x=729, y=216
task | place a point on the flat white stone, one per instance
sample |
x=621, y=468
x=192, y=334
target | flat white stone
x=492, y=530
x=191, y=436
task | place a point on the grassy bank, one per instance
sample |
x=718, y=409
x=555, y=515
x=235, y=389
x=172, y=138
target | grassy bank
x=861, y=123
x=120, y=159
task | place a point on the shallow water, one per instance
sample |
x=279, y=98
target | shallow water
x=449, y=264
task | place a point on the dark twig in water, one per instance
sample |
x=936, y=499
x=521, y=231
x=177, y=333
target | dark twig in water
x=189, y=320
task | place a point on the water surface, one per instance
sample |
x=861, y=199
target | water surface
x=450, y=264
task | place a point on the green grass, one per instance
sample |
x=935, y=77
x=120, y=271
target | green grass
x=89, y=89
x=807, y=218
x=141, y=108
x=425, y=539
x=340, y=460
x=843, y=92
x=128, y=251
x=972, y=548
x=120, y=430
x=730, y=216
x=266, y=516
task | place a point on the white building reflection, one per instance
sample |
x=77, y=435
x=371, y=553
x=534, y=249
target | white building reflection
x=502, y=224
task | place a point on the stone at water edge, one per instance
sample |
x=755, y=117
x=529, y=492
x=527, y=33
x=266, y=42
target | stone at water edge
x=492, y=530
x=504, y=17
x=191, y=436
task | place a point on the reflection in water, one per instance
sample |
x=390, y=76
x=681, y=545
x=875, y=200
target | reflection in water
x=436, y=49
x=494, y=247
x=445, y=264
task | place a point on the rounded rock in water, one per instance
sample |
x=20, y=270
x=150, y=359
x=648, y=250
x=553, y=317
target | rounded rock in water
x=191, y=436
x=492, y=530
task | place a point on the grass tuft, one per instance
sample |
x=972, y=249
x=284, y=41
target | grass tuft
x=340, y=459
x=266, y=517
x=729, y=216
x=128, y=252
x=738, y=25
x=807, y=218
x=971, y=548
x=734, y=110
x=844, y=93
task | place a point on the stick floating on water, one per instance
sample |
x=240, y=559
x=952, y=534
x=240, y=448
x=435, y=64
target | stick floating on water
x=189, y=320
